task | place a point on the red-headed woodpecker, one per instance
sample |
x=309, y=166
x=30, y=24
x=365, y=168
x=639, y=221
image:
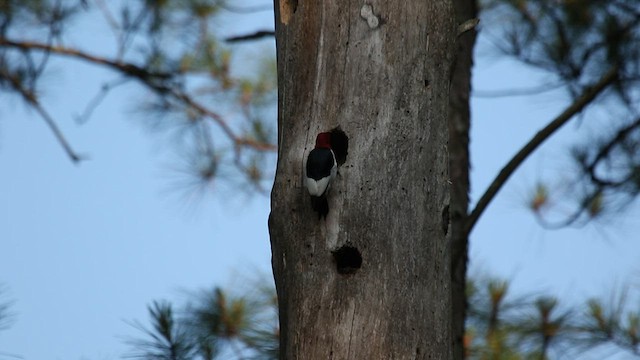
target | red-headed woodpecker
x=321, y=169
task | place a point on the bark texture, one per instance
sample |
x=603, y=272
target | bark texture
x=459, y=126
x=381, y=71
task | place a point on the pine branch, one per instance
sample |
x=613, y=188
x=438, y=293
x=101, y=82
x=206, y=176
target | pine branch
x=124, y=67
x=605, y=151
x=155, y=81
x=238, y=141
x=578, y=105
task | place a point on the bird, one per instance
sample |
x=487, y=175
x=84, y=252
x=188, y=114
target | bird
x=321, y=169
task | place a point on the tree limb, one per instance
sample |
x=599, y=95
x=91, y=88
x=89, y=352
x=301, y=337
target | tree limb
x=254, y=36
x=578, y=105
x=606, y=151
x=124, y=67
x=156, y=81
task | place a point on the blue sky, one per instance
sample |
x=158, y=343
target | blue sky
x=83, y=249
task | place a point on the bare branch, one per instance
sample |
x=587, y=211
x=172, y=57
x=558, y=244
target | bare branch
x=254, y=36
x=127, y=68
x=223, y=125
x=578, y=105
x=155, y=81
x=30, y=98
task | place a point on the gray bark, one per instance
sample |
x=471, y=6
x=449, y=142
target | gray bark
x=380, y=71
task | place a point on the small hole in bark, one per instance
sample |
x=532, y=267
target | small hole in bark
x=348, y=260
x=339, y=145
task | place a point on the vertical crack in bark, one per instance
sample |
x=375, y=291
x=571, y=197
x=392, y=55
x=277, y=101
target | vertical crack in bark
x=319, y=62
x=353, y=319
x=305, y=153
x=346, y=52
x=281, y=34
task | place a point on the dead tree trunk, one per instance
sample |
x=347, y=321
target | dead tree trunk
x=373, y=280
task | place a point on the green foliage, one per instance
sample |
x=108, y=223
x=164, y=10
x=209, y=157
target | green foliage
x=168, y=340
x=539, y=326
x=612, y=322
x=46, y=15
x=215, y=325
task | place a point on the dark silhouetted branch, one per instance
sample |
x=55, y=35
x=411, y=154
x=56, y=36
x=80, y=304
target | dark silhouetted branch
x=249, y=37
x=127, y=68
x=578, y=104
x=606, y=151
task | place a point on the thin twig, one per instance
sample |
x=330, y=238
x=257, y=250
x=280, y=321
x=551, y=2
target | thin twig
x=247, y=9
x=2, y=353
x=253, y=36
x=570, y=219
x=108, y=16
x=605, y=151
x=578, y=104
x=29, y=97
x=97, y=99
x=517, y=92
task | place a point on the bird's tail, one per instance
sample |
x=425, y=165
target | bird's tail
x=320, y=205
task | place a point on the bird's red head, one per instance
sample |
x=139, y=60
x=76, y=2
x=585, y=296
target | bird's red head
x=323, y=140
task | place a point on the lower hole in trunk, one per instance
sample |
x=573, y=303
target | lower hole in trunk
x=348, y=260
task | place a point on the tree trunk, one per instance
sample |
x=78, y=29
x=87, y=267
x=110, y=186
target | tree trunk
x=459, y=125
x=372, y=280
